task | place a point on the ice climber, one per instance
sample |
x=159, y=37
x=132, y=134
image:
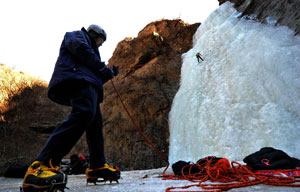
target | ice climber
x=77, y=81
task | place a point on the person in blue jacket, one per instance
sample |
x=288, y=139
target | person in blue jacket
x=77, y=81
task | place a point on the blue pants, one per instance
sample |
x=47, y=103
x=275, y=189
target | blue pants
x=85, y=116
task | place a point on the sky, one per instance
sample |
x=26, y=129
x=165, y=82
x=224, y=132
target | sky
x=31, y=31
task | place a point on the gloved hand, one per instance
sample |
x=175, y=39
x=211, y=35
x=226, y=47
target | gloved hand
x=115, y=70
x=109, y=73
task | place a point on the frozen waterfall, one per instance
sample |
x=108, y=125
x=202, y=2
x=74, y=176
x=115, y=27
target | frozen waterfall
x=244, y=95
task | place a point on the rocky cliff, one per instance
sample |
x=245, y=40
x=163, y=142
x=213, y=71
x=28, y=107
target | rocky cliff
x=149, y=78
x=27, y=117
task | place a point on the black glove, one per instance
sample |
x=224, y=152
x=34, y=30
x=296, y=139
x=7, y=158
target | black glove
x=107, y=73
x=115, y=70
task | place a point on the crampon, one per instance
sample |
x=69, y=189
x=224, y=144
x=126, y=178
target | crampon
x=102, y=174
x=53, y=188
x=44, y=178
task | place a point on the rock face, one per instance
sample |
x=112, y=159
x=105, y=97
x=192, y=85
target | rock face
x=285, y=12
x=27, y=118
x=148, y=80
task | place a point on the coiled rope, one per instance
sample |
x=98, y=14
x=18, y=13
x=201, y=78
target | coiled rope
x=229, y=176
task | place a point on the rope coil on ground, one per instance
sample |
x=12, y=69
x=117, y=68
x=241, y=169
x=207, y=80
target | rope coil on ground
x=229, y=176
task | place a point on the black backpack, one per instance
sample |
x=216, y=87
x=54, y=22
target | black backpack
x=268, y=158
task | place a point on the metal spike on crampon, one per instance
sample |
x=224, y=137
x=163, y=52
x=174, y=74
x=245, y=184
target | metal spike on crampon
x=54, y=188
x=100, y=180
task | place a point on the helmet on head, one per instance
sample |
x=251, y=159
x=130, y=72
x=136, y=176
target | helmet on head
x=97, y=29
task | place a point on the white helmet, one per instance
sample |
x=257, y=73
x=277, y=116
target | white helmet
x=98, y=30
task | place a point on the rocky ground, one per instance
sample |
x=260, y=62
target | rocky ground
x=134, y=181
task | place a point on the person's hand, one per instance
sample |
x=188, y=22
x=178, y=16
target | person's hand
x=107, y=73
x=115, y=70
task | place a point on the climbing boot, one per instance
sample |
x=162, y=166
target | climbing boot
x=42, y=178
x=106, y=173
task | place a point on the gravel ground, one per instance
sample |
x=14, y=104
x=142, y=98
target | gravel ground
x=133, y=181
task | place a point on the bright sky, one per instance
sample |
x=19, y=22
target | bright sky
x=32, y=30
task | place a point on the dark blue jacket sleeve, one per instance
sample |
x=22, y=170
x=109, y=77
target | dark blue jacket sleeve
x=79, y=47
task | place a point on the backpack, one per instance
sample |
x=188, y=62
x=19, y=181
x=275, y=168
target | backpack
x=268, y=158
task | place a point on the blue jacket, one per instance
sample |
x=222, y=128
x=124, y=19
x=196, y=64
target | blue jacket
x=79, y=58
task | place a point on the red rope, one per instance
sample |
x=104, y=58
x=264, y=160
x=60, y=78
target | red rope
x=141, y=132
x=230, y=176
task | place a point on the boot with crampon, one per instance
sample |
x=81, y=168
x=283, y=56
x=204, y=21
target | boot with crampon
x=106, y=173
x=43, y=178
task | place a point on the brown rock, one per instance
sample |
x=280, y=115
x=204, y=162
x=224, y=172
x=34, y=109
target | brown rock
x=148, y=80
x=27, y=117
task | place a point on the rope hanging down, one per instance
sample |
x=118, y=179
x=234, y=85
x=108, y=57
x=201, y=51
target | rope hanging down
x=140, y=131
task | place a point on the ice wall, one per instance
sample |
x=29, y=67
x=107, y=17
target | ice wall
x=244, y=95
